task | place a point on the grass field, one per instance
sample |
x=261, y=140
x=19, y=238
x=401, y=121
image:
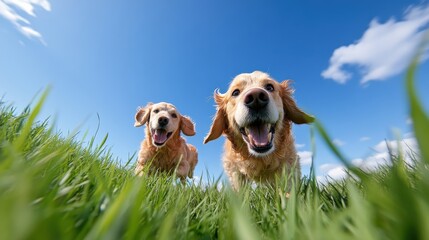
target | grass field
x=55, y=187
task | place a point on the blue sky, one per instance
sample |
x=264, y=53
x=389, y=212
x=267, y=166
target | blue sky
x=346, y=59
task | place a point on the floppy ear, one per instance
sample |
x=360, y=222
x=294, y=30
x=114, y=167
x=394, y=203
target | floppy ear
x=142, y=115
x=187, y=126
x=291, y=110
x=219, y=121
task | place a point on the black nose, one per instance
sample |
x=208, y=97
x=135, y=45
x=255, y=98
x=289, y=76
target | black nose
x=162, y=121
x=256, y=99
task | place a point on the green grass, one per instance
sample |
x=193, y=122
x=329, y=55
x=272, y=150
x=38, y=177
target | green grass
x=55, y=187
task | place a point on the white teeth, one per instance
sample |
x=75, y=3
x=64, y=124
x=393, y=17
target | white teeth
x=268, y=126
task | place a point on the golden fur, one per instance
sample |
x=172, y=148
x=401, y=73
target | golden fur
x=174, y=153
x=240, y=162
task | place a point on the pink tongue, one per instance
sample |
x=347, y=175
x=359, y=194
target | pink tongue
x=258, y=135
x=160, y=136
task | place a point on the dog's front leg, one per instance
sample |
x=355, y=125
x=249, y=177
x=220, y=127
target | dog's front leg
x=237, y=180
x=183, y=169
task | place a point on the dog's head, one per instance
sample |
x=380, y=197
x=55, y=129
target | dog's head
x=254, y=110
x=163, y=121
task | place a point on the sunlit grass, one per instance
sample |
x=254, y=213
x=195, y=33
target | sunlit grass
x=56, y=187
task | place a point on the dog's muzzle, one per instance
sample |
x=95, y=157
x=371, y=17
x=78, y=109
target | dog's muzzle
x=160, y=134
x=259, y=136
x=257, y=121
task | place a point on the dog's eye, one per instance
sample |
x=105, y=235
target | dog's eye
x=156, y=111
x=235, y=93
x=269, y=87
x=174, y=115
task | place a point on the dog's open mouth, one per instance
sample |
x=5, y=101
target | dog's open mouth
x=258, y=136
x=160, y=136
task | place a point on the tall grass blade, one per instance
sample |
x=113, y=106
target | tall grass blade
x=418, y=115
x=19, y=142
x=329, y=142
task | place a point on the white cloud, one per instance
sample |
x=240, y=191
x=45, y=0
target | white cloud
x=305, y=157
x=337, y=173
x=327, y=166
x=409, y=121
x=384, y=50
x=364, y=139
x=381, y=157
x=383, y=149
x=338, y=142
x=297, y=145
x=199, y=182
x=393, y=145
x=9, y=9
x=409, y=135
x=196, y=180
x=332, y=172
x=357, y=161
x=373, y=162
x=29, y=32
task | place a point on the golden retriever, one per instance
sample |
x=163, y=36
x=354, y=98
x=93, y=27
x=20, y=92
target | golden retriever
x=163, y=149
x=255, y=115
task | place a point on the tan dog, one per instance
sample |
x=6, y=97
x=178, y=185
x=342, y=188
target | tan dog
x=255, y=115
x=164, y=149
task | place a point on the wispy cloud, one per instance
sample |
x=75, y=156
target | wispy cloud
x=364, y=139
x=11, y=10
x=409, y=121
x=384, y=50
x=297, y=145
x=338, y=142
